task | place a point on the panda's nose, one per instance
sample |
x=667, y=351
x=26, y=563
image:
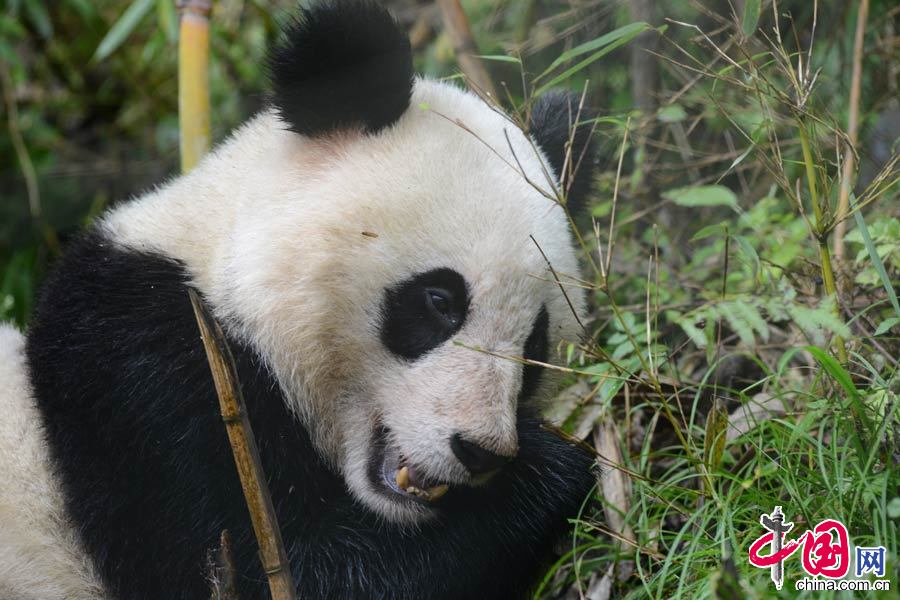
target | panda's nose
x=476, y=459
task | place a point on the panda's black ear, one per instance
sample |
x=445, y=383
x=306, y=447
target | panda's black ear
x=553, y=117
x=341, y=64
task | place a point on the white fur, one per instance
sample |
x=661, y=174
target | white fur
x=40, y=555
x=271, y=228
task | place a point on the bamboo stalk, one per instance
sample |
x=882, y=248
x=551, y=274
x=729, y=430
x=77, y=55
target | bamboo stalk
x=820, y=211
x=852, y=131
x=246, y=454
x=457, y=25
x=193, y=80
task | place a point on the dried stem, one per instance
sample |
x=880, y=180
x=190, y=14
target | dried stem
x=615, y=199
x=852, y=131
x=460, y=33
x=246, y=454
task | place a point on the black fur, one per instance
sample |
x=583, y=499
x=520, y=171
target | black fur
x=343, y=63
x=133, y=424
x=536, y=350
x=553, y=117
x=476, y=459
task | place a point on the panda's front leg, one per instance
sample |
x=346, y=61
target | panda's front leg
x=491, y=541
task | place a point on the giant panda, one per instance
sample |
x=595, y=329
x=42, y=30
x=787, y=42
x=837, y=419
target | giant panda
x=376, y=247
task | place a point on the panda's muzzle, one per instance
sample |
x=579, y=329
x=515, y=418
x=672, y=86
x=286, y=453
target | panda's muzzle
x=394, y=474
x=478, y=460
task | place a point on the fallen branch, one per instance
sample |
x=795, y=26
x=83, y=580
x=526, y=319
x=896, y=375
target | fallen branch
x=246, y=454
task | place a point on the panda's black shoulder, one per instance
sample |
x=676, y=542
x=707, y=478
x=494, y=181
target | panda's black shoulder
x=132, y=422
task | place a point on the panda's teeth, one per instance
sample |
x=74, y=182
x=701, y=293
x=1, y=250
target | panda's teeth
x=431, y=494
x=437, y=491
x=402, y=478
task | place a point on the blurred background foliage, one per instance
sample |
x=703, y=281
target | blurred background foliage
x=93, y=87
x=714, y=301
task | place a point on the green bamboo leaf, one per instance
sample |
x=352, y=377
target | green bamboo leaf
x=749, y=252
x=629, y=31
x=37, y=14
x=604, y=45
x=122, y=28
x=709, y=230
x=835, y=370
x=751, y=17
x=167, y=19
x=887, y=325
x=674, y=113
x=703, y=195
x=500, y=58
x=874, y=257
x=85, y=8
x=709, y=331
x=842, y=377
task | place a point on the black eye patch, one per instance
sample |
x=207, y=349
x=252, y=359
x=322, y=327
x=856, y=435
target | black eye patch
x=535, y=349
x=423, y=312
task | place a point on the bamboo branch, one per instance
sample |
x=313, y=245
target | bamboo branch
x=821, y=212
x=193, y=80
x=457, y=25
x=246, y=454
x=852, y=131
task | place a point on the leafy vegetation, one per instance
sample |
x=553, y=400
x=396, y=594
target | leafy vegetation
x=737, y=357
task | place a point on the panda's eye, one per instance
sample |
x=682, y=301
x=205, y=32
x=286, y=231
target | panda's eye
x=440, y=301
x=423, y=312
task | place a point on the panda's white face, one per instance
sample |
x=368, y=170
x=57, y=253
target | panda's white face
x=383, y=278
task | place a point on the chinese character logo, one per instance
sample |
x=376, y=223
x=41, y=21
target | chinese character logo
x=870, y=560
x=777, y=528
x=826, y=548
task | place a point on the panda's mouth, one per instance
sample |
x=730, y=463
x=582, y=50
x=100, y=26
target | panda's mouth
x=394, y=474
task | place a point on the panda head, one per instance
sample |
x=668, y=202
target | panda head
x=399, y=259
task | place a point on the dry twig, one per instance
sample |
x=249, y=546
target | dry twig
x=246, y=454
x=460, y=33
x=852, y=131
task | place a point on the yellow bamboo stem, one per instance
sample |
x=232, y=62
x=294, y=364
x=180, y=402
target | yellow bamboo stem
x=193, y=80
x=246, y=454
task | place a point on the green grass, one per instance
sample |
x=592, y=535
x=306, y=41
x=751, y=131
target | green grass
x=687, y=528
x=754, y=312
